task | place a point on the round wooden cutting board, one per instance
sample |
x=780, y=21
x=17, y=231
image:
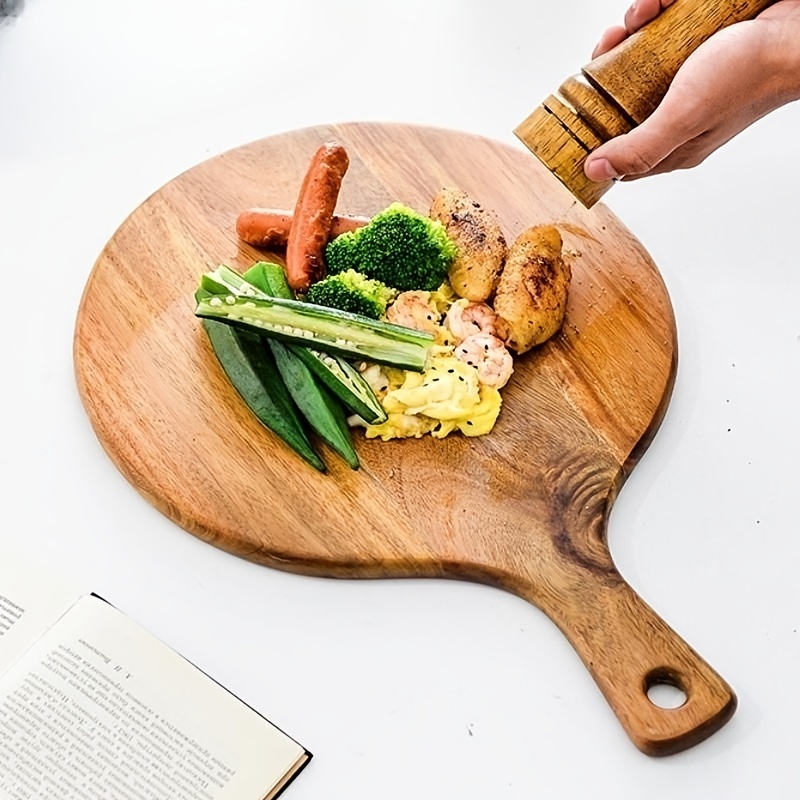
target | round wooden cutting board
x=524, y=508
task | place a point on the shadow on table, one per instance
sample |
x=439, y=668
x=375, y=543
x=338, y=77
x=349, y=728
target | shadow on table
x=10, y=9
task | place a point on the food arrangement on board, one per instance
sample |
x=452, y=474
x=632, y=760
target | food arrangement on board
x=401, y=323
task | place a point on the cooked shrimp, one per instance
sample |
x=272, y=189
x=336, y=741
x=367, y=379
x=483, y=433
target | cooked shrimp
x=489, y=356
x=466, y=319
x=414, y=309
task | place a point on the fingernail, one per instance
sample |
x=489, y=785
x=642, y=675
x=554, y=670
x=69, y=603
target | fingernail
x=600, y=169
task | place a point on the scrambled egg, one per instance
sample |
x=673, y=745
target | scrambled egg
x=444, y=398
x=441, y=300
x=443, y=297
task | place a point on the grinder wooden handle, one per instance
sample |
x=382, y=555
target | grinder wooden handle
x=621, y=88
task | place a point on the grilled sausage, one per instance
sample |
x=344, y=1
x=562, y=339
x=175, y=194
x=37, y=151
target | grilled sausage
x=269, y=227
x=313, y=214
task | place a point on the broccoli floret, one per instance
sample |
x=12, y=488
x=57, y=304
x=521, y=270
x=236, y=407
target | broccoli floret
x=352, y=291
x=340, y=254
x=399, y=247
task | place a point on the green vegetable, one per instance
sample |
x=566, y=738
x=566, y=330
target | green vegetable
x=346, y=383
x=269, y=279
x=318, y=328
x=352, y=291
x=252, y=371
x=322, y=411
x=334, y=371
x=398, y=247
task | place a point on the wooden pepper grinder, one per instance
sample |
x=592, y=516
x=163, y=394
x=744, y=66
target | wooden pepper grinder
x=620, y=89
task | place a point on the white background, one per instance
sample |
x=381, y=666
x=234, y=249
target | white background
x=426, y=689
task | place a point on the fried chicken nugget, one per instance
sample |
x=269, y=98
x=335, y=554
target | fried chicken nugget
x=532, y=292
x=480, y=241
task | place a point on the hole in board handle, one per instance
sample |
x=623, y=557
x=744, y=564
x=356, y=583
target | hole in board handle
x=664, y=689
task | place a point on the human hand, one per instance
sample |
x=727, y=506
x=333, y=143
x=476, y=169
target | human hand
x=734, y=78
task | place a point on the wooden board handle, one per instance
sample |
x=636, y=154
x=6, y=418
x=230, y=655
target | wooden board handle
x=628, y=649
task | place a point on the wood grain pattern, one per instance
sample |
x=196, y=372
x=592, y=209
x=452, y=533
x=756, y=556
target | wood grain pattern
x=524, y=509
x=622, y=88
x=638, y=72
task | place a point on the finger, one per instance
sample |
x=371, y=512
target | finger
x=690, y=154
x=645, y=147
x=609, y=40
x=676, y=160
x=633, y=154
x=644, y=11
x=640, y=13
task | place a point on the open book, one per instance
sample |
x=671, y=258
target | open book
x=93, y=707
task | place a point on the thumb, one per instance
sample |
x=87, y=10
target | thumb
x=634, y=153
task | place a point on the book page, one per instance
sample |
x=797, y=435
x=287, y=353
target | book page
x=30, y=601
x=99, y=709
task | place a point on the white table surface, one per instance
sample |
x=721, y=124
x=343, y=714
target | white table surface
x=426, y=689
